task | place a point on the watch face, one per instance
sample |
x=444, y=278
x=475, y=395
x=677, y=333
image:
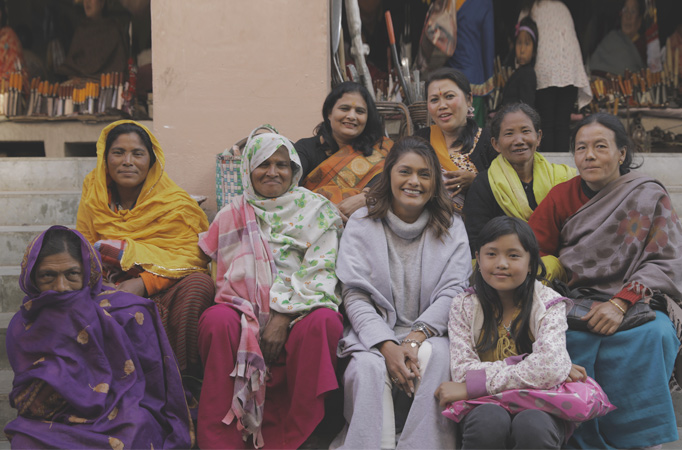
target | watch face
x=413, y=344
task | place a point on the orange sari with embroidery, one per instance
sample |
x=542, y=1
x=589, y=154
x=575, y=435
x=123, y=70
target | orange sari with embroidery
x=347, y=171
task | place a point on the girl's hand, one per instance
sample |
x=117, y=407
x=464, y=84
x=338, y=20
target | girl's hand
x=449, y=392
x=274, y=336
x=396, y=357
x=577, y=373
x=458, y=181
x=605, y=318
x=134, y=286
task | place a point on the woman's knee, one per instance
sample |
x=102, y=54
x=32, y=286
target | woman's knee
x=367, y=365
x=536, y=429
x=218, y=320
x=324, y=321
x=486, y=426
x=197, y=285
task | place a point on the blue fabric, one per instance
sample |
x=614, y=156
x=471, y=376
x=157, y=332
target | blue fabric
x=475, y=52
x=633, y=367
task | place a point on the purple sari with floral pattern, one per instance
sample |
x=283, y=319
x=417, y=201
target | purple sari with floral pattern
x=93, y=368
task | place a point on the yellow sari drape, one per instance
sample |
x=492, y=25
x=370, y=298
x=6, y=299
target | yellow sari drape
x=437, y=139
x=161, y=231
x=509, y=192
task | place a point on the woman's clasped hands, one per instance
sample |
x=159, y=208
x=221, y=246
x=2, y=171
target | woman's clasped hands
x=402, y=363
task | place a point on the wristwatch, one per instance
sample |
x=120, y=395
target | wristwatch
x=421, y=326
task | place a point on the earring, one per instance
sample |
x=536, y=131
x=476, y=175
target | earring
x=620, y=162
x=470, y=112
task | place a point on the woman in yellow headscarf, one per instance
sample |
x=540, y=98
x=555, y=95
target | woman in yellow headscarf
x=145, y=228
x=518, y=179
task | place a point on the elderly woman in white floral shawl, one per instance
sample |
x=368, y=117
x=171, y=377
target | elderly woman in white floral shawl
x=269, y=345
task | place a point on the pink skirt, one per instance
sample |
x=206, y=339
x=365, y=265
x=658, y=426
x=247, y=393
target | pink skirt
x=294, y=397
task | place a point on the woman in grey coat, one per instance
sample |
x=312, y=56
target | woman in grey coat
x=401, y=260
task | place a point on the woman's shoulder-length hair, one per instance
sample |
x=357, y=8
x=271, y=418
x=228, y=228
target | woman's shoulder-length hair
x=380, y=197
x=373, y=131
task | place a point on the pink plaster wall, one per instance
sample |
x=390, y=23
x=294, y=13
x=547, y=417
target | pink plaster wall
x=223, y=67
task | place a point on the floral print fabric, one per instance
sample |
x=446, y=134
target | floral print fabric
x=271, y=253
x=302, y=229
x=627, y=236
x=547, y=366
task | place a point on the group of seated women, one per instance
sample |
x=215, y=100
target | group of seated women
x=346, y=263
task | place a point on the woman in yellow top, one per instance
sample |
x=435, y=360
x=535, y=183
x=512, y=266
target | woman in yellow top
x=518, y=179
x=145, y=228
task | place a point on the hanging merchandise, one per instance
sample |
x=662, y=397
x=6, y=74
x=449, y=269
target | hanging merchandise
x=358, y=49
x=439, y=36
x=653, y=45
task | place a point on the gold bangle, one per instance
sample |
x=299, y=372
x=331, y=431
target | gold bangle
x=617, y=306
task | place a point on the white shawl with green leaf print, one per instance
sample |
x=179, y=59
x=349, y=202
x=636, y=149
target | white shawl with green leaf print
x=302, y=229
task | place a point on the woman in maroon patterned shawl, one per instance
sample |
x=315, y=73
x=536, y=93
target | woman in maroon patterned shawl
x=92, y=368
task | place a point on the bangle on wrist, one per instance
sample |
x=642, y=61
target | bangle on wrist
x=617, y=305
x=413, y=342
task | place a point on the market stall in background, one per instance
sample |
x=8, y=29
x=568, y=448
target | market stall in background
x=64, y=61
x=89, y=61
x=391, y=47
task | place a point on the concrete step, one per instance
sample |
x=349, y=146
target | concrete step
x=10, y=292
x=38, y=207
x=7, y=413
x=44, y=174
x=4, y=363
x=14, y=240
x=665, y=167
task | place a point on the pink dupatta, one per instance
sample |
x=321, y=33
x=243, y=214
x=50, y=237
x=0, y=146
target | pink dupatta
x=244, y=277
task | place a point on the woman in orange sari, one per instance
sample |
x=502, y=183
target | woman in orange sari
x=347, y=152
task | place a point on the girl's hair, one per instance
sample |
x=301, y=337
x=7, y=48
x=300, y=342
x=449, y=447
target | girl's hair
x=127, y=128
x=496, y=122
x=523, y=295
x=373, y=131
x=466, y=137
x=530, y=23
x=440, y=206
x=622, y=139
x=56, y=241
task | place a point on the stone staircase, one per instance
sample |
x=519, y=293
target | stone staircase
x=35, y=193
x=38, y=192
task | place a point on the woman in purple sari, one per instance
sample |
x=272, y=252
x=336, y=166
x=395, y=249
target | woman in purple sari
x=93, y=368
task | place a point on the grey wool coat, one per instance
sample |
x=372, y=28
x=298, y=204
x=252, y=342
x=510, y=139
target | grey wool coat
x=363, y=268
